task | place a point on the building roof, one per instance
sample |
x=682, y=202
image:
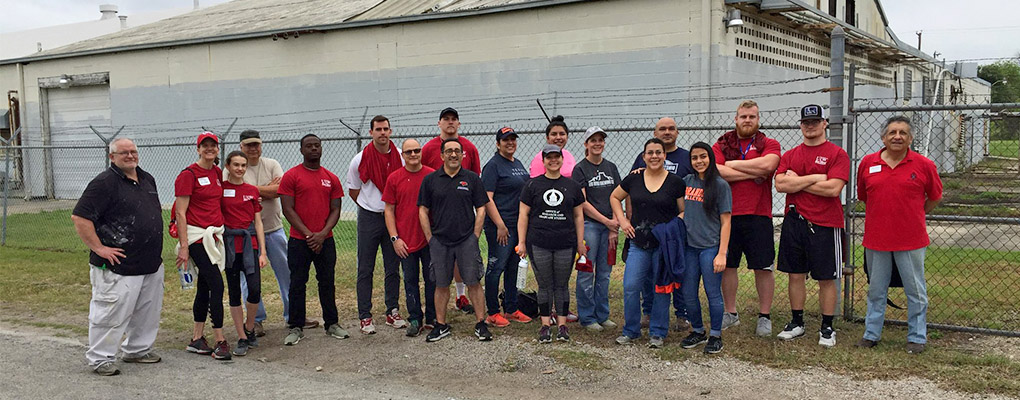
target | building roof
x=245, y=19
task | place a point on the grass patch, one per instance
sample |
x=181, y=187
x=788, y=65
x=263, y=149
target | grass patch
x=1003, y=148
x=576, y=359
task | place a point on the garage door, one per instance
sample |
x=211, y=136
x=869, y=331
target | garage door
x=72, y=110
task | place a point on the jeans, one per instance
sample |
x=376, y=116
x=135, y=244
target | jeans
x=679, y=305
x=301, y=258
x=637, y=275
x=276, y=251
x=503, y=262
x=699, y=268
x=592, y=288
x=411, y=293
x=911, y=266
x=372, y=235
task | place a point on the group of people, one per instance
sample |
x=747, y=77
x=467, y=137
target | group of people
x=689, y=216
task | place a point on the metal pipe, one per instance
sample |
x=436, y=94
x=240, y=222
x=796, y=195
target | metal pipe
x=953, y=328
x=939, y=107
x=961, y=218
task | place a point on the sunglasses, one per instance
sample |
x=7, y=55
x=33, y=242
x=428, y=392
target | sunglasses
x=412, y=151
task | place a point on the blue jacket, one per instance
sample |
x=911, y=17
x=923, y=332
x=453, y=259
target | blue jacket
x=672, y=238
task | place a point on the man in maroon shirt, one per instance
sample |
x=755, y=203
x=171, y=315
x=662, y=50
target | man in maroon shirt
x=747, y=159
x=898, y=187
x=310, y=195
x=449, y=124
x=812, y=175
x=401, y=212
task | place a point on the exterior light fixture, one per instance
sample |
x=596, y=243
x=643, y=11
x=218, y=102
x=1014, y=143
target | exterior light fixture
x=732, y=19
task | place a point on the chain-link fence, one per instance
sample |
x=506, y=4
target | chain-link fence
x=972, y=266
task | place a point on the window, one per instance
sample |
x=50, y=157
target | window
x=908, y=84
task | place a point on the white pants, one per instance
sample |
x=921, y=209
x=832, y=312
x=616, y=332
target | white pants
x=123, y=305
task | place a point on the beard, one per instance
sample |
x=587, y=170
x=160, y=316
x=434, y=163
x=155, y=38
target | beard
x=747, y=132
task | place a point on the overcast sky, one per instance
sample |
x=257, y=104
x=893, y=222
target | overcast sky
x=958, y=29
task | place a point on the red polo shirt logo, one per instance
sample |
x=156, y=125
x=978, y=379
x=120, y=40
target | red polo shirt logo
x=821, y=160
x=326, y=183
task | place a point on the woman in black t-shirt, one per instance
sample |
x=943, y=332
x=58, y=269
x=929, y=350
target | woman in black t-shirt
x=657, y=197
x=551, y=215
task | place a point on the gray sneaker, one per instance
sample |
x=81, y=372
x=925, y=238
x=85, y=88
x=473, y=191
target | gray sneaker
x=336, y=331
x=764, y=327
x=295, y=336
x=594, y=327
x=655, y=342
x=241, y=349
x=147, y=358
x=608, y=324
x=624, y=340
x=730, y=320
x=107, y=369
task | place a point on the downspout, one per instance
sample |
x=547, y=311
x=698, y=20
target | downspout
x=706, y=51
x=26, y=184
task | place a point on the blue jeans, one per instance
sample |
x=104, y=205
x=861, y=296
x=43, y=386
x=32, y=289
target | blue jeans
x=593, y=287
x=911, y=266
x=679, y=306
x=637, y=275
x=276, y=251
x=699, y=268
x=503, y=262
x=412, y=294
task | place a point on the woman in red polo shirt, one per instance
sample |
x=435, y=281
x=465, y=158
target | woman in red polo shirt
x=199, y=192
x=242, y=216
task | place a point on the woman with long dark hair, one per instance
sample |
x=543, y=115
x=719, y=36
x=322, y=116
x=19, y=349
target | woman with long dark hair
x=657, y=198
x=555, y=133
x=707, y=208
x=200, y=241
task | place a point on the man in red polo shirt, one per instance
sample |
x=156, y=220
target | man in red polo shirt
x=898, y=187
x=401, y=198
x=449, y=124
x=747, y=159
x=310, y=195
x=812, y=175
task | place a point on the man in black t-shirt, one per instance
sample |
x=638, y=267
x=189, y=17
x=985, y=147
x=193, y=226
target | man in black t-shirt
x=449, y=197
x=120, y=220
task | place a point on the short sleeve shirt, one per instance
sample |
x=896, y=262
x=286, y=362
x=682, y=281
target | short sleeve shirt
x=260, y=175
x=240, y=203
x=598, y=182
x=703, y=227
x=828, y=159
x=452, y=201
x=894, y=201
x=751, y=196
x=205, y=191
x=678, y=162
x=370, y=197
x=312, y=190
x=537, y=167
x=401, y=190
x=126, y=215
x=431, y=155
x=551, y=219
x=651, y=209
x=505, y=179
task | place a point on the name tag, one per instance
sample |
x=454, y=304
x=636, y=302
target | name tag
x=204, y=181
x=229, y=192
x=875, y=169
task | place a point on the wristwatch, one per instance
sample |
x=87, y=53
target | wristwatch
x=394, y=238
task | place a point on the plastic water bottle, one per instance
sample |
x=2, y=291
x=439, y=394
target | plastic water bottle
x=187, y=278
x=522, y=273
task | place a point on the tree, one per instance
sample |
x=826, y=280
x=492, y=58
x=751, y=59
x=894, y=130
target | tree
x=1004, y=75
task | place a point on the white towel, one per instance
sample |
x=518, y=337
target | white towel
x=212, y=241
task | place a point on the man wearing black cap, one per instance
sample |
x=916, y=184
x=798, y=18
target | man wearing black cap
x=812, y=175
x=449, y=124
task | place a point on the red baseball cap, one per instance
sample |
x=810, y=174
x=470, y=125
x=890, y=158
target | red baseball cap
x=207, y=135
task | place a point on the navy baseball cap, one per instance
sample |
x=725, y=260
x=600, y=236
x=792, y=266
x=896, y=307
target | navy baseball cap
x=449, y=110
x=812, y=112
x=505, y=132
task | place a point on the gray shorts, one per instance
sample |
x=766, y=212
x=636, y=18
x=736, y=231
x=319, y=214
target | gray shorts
x=464, y=255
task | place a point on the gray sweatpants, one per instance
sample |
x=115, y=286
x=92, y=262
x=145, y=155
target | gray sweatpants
x=123, y=305
x=552, y=272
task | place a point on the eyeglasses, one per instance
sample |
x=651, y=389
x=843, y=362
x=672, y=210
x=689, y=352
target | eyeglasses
x=654, y=153
x=126, y=153
x=452, y=151
x=412, y=151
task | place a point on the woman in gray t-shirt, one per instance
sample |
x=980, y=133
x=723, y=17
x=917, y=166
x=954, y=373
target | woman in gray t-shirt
x=707, y=207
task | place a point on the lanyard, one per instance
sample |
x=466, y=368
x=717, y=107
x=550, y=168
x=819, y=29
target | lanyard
x=743, y=151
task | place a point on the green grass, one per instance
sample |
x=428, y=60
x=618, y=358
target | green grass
x=44, y=282
x=1004, y=148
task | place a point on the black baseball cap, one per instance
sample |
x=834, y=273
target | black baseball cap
x=551, y=148
x=449, y=110
x=250, y=136
x=505, y=132
x=812, y=112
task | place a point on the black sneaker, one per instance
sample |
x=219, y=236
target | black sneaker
x=563, y=336
x=253, y=338
x=714, y=345
x=543, y=334
x=693, y=340
x=222, y=351
x=199, y=346
x=242, y=348
x=438, y=332
x=482, y=332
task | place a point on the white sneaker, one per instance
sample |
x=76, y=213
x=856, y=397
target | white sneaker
x=764, y=327
x=827, y=337
x=730, y=320
x=791, y=332
x=608, y=324
x=395, y=320
x=594, y=327
x=367, y=327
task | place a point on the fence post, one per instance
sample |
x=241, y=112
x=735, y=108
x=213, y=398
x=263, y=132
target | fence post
x=106, y=143
x=851, y=200
x=7, y=181
x=836, y=121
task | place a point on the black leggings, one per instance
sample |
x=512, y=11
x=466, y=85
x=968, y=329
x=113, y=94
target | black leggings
x=209, y=290
x=552, y=271
x=254, y=281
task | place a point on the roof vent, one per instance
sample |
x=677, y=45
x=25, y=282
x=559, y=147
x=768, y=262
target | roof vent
x=108, y=10
x=123, y=21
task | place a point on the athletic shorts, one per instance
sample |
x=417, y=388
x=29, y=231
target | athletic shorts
x=751, y=236
x=464, y=255
x=808, y=248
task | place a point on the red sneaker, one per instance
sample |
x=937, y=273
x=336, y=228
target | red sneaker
x=497, y=320
x=464, y=305
x=393, y=319
x=519, y=317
